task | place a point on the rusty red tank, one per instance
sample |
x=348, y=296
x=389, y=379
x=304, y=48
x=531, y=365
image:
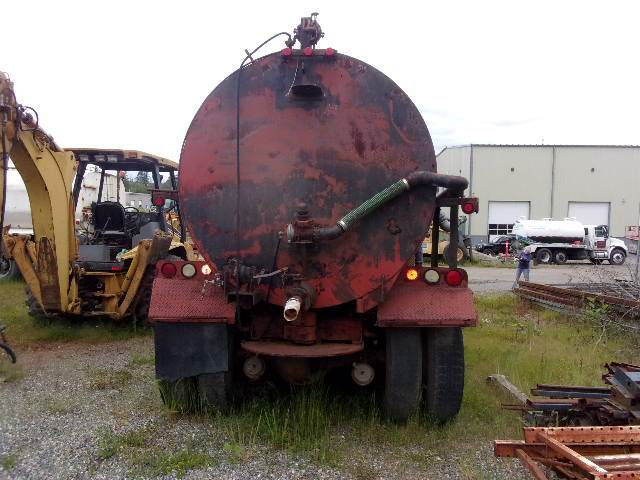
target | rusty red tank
x=308, y=181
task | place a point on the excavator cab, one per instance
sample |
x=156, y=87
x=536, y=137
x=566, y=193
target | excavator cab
x=115, y=224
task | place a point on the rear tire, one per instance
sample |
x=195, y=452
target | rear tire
x=560, y=257
x=443, y=372
x=617, y=257
x=216, y=390
x=544, y=256
x=403, y=380
x=9, y=270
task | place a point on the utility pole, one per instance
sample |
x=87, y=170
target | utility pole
x=637, y=279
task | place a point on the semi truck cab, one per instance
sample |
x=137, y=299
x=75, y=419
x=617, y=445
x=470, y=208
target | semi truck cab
x=602, y=246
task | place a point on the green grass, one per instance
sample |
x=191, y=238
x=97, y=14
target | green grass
x=9, y=462
x=9, y=372
x=528, y=344
x=22, y=329
x=110, y=444
x=137, y=360
x=148, y=459
x=109, y=379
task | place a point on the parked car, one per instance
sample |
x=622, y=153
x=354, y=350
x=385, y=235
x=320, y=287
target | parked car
x=497, y=245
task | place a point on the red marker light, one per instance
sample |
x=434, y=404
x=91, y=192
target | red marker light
x=169, y=270
x=117, y=269
x=468, y=208
x=286, y=52
x=453, y=278
x=158, y=201
x=330, y=52
x=308, y=51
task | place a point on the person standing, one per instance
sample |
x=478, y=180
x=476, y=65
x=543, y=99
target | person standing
x=524, y=265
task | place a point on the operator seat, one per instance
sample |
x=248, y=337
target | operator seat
x=110, y=224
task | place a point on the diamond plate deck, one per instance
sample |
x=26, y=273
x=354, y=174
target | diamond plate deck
x=420, y=305
x=176, y=300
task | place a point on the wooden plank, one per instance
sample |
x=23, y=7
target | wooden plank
x=509, y=387
x=532, y=466
x=582, y=462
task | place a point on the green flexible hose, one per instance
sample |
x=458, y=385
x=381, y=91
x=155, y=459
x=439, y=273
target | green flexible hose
x=373, y=203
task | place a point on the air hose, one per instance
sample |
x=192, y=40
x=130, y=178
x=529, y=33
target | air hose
x=456, y=185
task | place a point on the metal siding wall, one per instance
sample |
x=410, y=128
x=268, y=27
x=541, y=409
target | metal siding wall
x=494, y=181
x=615, y=179
x=454, y=161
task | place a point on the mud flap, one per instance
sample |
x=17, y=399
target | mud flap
x=187, y=350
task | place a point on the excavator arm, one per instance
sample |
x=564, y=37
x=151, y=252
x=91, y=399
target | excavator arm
x=45, y=260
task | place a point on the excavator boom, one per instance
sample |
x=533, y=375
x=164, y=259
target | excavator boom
x=48, y=173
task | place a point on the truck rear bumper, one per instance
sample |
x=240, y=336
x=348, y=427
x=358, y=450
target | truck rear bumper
x=419, y=305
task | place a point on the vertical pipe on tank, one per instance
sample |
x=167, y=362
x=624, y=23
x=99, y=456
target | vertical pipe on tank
x=453, y=237
x=435, y=238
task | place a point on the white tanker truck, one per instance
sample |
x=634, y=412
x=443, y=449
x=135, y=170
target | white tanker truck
x=556, y=241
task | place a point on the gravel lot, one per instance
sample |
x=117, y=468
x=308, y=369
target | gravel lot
x=54, y=420
x=500, y=279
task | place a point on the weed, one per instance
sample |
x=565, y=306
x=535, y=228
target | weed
x=10, y=372
x=9, y=462
x=156, y=461
x=142, y=360
x=57, y=406
x=109, y=443
x=236, y=453
x=109, y=379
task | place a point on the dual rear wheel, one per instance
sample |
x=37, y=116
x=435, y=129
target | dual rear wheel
x=424, y=371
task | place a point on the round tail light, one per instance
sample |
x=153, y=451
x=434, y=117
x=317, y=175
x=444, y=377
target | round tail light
x=188, y=270
x=206, y=269
x=169, y=270
x=453, y=278
x=432, y=276
x=412, y=274
x=468, y=208
x=158, y=201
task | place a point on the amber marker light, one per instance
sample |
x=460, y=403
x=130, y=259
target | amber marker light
x=412, y=274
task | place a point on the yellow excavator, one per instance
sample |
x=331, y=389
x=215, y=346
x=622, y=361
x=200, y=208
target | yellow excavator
x=106, y=267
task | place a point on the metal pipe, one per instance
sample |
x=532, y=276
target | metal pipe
x=292, y=308
x=435, y=238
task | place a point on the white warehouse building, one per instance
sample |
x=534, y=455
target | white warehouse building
x=598, y=185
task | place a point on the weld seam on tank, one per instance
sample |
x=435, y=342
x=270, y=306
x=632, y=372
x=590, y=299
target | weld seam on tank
x=454, y=183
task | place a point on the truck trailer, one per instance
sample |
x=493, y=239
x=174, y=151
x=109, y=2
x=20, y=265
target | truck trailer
x=308, y=182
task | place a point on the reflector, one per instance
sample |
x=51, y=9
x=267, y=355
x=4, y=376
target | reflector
x=169, y=270
x=188, y=270
x=431, y=276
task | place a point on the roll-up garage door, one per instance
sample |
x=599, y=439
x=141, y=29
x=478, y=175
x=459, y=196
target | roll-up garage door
x=502, y=216
x=590, y=213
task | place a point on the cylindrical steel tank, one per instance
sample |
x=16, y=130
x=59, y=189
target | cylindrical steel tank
x=550, y=231
x=320, y=133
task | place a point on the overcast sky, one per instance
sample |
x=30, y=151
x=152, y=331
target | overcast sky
x=131, y=74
